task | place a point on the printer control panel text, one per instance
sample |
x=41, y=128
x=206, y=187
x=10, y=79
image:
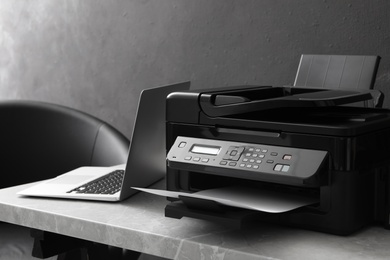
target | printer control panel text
x=246, y=160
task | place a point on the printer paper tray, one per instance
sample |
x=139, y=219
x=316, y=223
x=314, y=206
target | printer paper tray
x=243, y=197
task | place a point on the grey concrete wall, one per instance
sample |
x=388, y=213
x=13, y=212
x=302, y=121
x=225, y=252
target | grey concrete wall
x=97, y=55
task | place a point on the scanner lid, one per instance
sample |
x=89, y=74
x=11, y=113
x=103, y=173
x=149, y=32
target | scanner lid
x=255, y=99
x=301, y=110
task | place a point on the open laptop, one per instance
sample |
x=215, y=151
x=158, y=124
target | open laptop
x=145, y=164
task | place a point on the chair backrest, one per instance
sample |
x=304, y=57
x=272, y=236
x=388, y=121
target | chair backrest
x=348, y=72
x=42, y=140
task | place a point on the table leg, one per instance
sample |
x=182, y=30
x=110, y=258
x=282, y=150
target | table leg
x=47, y=244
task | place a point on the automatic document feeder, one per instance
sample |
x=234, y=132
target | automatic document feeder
x=291, y=142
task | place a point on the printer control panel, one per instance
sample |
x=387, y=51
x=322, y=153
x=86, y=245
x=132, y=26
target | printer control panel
x=246, y=160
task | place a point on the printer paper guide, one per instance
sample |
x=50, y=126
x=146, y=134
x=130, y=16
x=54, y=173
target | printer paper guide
x=247, y=198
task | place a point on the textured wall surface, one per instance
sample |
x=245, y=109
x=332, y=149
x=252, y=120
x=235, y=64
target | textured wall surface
x=97, y=55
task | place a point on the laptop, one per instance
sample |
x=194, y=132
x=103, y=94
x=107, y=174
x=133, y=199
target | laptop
x=146, y=162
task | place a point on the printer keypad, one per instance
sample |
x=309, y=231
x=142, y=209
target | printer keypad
x=252, y=157
x=249, y=158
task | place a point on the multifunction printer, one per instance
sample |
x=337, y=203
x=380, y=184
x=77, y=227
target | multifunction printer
x=324, y=145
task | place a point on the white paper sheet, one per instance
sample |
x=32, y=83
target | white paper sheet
x=242, y=197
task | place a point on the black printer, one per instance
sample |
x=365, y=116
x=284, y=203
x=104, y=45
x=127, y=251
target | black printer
x=288, y=140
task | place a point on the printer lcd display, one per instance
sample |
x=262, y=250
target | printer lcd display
x=203, y=149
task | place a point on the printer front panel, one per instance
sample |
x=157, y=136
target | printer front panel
x=285, y=165
x=193, y=177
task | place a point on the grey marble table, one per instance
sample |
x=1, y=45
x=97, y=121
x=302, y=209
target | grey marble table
x=139, y=224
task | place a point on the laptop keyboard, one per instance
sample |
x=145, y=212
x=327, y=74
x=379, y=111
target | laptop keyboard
x=108, y=184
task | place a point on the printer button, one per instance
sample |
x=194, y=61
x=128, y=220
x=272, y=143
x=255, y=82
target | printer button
x=278, y=167
x=287, y=157
x=205, y=160
x=196, y=159
x=232, y=164
x=270, y=161
x=245, y=159
x=257, y=150
x=223, y=163
x=285, y=168
x=258, y=161
x=233, y=153
x=264, y=150
x=187, y=158
x=182, y=144
x=255, y=166
x=242, y=165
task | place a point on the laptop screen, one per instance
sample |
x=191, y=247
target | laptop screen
x=147, y=156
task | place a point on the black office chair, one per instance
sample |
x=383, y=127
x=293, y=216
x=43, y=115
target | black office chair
x=348, y=72
x=42, y=140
